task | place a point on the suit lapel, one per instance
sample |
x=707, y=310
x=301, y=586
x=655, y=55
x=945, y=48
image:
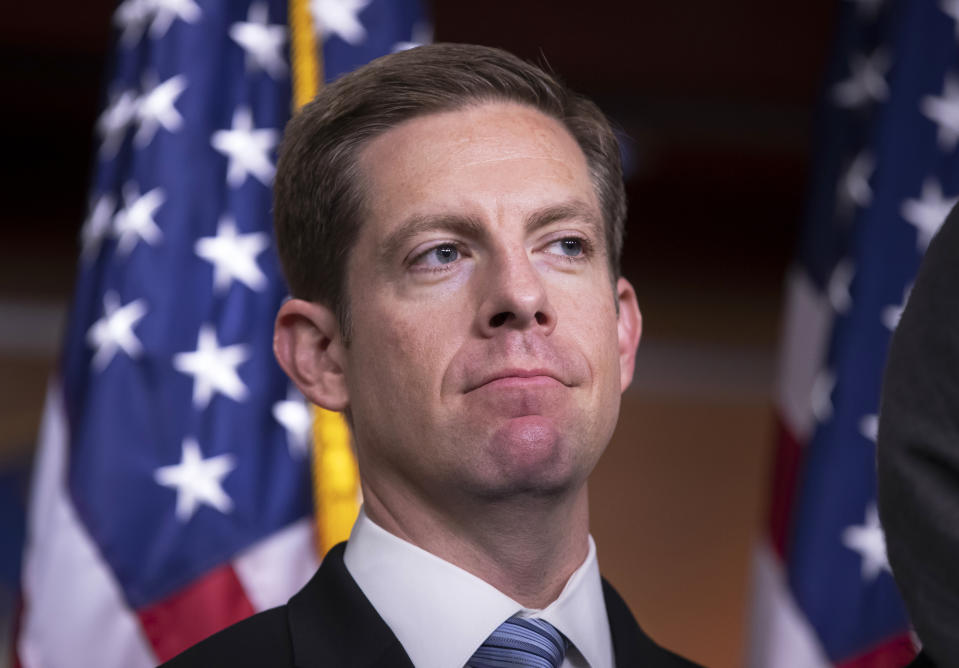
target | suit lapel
x=332, y=623
x=631, y=646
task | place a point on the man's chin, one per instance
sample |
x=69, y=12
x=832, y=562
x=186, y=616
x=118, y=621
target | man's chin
x=529, y=452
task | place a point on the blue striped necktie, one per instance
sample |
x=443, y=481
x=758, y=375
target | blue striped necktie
x=521, y=641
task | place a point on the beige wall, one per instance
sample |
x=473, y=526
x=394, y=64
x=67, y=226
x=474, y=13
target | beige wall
x=675, y=506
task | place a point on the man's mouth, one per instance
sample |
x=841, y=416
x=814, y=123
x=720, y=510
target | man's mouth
x=519, y=378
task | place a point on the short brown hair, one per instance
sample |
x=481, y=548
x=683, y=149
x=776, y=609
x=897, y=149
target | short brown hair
x=318, y=196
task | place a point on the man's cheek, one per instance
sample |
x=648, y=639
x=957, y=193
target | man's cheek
x=408, y=356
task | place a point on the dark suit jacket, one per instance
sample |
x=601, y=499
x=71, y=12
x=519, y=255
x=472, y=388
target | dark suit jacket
x=918, y=450
x=330, y=623
x=922, y=661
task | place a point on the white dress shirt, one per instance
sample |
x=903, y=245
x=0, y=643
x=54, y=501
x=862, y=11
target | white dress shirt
x=441, y=614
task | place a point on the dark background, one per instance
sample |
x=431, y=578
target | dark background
x=715, y=102
x=714, y=99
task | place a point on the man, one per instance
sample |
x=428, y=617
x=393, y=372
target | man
x=918, y=451
x=450, y=223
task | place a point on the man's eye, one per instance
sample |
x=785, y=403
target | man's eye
x=568, y=247
x=439, y=255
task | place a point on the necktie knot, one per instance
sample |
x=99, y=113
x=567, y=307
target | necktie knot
x=521, y=641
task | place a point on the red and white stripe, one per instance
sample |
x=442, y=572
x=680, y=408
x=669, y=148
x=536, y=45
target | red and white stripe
x=73, y=605
x=780, y=634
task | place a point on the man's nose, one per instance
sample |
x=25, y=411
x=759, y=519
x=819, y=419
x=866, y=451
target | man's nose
x=514, y=296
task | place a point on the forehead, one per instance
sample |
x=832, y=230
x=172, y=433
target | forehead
x=495, y=155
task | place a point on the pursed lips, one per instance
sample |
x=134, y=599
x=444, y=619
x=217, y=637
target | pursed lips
x=518, y=378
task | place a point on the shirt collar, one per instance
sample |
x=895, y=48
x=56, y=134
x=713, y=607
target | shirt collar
x=413, y=590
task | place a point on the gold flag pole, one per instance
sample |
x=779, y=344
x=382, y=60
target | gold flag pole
x=336, y=479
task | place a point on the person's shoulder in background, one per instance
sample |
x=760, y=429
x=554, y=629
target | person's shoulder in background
x=918, y=450
x=922, y=661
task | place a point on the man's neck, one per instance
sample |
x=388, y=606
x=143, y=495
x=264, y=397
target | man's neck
x=526, y=547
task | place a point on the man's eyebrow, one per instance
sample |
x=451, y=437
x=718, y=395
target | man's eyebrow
x=465, y=226
x=472, y=228
x=565, y=211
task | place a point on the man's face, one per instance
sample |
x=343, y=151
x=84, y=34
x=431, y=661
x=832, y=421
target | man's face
x=487, y=358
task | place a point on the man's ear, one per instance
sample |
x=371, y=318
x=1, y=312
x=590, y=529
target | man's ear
x=630, y=328
x=309, y=346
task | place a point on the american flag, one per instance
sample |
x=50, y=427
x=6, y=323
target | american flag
x=172, y=489
x=886, y=175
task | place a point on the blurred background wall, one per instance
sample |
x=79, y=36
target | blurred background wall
x=714, y=101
